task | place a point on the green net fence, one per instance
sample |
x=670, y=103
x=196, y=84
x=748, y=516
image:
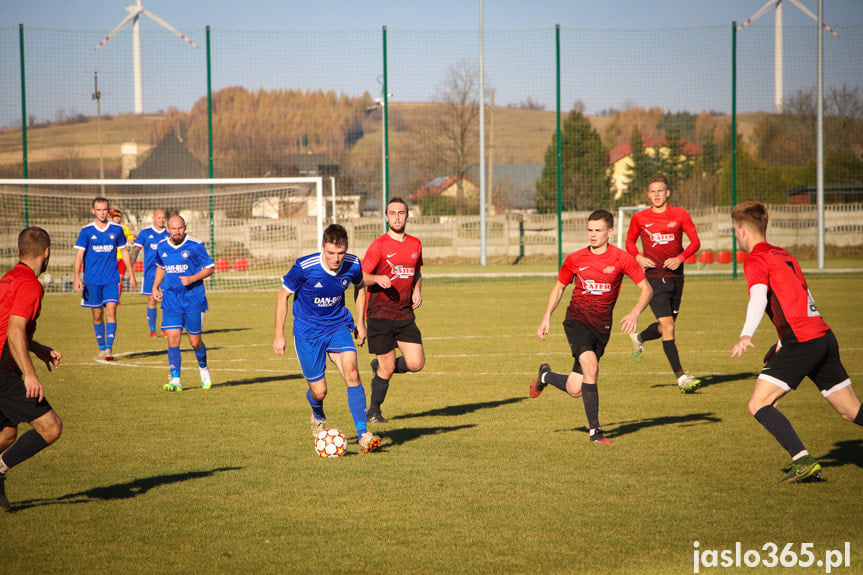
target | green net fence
x=633, y=102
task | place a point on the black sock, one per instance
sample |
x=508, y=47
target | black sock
x=650, y=332
x=670, y=349
x=779, y=426
x=590, y=397
x=26, y=447
x=558, y=380
x=379, y=392
x=401, y=365
x=859, y=419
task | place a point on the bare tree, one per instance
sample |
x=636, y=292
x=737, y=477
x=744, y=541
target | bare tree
x=845, y=102
x=456, y=135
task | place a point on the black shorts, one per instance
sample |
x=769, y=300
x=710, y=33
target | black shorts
x=15, y=406
x=584, y=338
x=818, y=359
x=667, y=294
x=383, y=334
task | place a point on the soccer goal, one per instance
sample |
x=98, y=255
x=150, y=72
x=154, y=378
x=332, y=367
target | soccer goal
x=253, y=227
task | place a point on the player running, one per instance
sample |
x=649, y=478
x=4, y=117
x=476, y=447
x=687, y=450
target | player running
x=661, y=228
x=147, y=240
x=391, y=270
x=96, y=255
x=323, y=326
x=596, y=273
x=807, y=346
x=21, y=395
x=182, y=265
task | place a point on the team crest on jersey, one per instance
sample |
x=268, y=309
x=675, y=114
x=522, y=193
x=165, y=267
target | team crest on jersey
x=185, y=254
x=672, y=224
x=112, y=236
x=344, y=282
x=414, y=256
x=608, y=270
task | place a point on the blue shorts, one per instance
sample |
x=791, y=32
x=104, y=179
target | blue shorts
x=312, y=353
x=98, y=296
x=193, y=321
x=147, y=286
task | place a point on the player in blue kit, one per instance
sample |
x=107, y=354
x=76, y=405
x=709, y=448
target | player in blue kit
x=323, y=326
x=96, y=255
x=147, y=240
x=182, y=265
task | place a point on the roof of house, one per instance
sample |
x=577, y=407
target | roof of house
x=619, y=152
x=434, y=187
x=169, y=159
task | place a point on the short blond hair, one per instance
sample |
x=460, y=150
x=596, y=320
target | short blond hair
x=752, y=214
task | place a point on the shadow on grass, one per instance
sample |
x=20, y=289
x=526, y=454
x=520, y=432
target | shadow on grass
x=119, y=491
x=254, y=380
x=120, y=357
x=463, y=409
x=627, y=427
x=400, y=436
x=225, y=330
x=843, y=453
x=707, y=380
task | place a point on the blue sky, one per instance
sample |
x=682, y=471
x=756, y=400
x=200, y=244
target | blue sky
x=412, y=14
x=674, y=54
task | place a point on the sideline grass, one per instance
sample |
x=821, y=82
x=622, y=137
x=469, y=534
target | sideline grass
x=473, y=477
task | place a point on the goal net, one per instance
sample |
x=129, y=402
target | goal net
x=254, y=228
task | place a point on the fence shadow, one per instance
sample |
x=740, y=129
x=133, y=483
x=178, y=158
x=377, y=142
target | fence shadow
x=627, y=427
x=401, y=436
x=118, y=491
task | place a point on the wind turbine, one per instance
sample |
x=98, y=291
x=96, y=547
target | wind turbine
x=777, y=50
x=134, y=17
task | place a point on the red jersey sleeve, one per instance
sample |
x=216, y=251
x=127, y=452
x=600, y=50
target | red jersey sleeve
x=691, y=233
x=755, y=270
x=566, y=272
x=632, y=234
x=372, y=257
x=631, y=268
x=28, y=301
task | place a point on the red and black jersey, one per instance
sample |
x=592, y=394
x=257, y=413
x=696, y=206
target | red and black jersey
x=401, y=262
x=662, y=238
x=789, y=304
x=596, y=280
x=20, y=295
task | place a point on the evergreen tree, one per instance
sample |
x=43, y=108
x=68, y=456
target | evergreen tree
x=638, y=174
x=586, y=182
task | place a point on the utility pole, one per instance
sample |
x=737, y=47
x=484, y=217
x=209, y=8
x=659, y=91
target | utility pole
x=97, y=95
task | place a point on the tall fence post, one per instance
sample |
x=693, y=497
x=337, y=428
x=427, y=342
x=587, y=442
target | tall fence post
x=733, y=143
x=559, y=169
x=210, y=150
x=24, y=123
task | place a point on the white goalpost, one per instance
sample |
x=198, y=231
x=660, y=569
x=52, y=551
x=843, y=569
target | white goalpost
x=624, y=213
x=253, y=227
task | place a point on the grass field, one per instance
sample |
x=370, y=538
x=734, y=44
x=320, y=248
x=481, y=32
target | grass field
x=472, y=477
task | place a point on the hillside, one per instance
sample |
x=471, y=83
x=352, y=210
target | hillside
x=519, y=136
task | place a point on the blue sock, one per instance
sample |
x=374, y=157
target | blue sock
x=357, y=405
x=110, y=333
x=175, y=360
x=99, y=328
x=151, y=318
x=201, y=355
x=317, y=406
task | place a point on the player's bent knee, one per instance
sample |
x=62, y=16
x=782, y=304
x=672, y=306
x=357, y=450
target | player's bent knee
x=49, y=426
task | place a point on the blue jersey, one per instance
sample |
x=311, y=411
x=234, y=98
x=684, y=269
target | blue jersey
x=147, y=241
x=186, y=259
x=319, y=294
x=100, y=253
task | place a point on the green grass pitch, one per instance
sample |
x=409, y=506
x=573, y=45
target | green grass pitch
x=472, y=477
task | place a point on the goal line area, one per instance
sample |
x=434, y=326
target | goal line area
x=252, y=227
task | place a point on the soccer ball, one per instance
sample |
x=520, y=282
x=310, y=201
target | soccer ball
x=331, y=443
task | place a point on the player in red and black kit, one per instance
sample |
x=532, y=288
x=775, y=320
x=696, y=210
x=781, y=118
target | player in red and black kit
x=21, y=395
x=596, y=273
x=391, y=270
x=807, y=346
x=661, y=228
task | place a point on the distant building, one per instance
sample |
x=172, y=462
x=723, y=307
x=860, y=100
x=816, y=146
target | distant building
x=620, y=159
x=832, y=195
x=169, y=159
